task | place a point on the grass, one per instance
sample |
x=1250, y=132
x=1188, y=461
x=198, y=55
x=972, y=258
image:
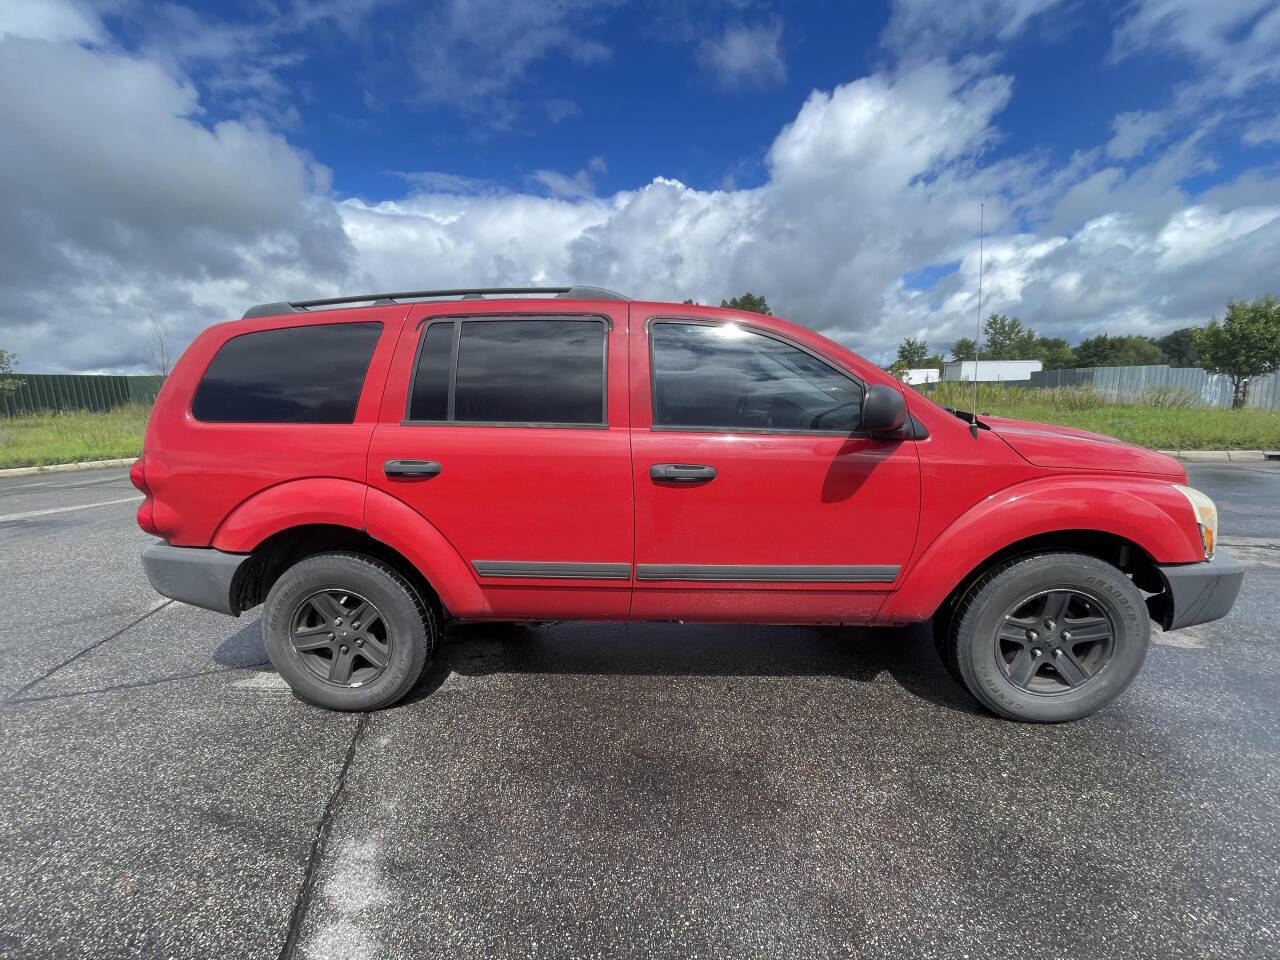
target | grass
x=39, y=439
x=1161, y=420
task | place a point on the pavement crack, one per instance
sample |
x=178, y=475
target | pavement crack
x=318, y=845
x=89, y=649
x=18, y=701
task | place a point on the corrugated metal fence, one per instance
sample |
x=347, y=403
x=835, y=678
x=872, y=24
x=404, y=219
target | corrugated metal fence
x=1131, y=384
x=55, y=391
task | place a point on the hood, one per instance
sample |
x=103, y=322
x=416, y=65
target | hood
x=1048, y=445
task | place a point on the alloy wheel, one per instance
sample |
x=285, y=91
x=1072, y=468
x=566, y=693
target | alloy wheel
x=1055, y=641
x=341, y=637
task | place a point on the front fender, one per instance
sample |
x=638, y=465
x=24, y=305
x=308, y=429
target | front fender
x=1147, y=512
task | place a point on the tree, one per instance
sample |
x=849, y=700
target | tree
x=8, y=384
x=964, y=349
x=689, y=300
x=1055, y=352
x=1180, y=347
x=1244, y=345
x=160, y=357
x=1007, y=340
x=748, y=301
x=1106, y=351
x=912, y=352
x=934, y=361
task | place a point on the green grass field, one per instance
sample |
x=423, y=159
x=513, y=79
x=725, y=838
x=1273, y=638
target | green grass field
x=1163, y=422
x=45, y=438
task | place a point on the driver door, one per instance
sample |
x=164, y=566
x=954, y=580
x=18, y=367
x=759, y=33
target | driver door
x=756, y=498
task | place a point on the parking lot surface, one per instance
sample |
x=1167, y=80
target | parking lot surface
x=587, y=790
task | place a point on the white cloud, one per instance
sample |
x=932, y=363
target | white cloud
x=744, y=57
x=469, y=53
x=929, y=28
x=1237, y=42
x=116, y=198
x=57, y=21
x=1134, y=131
x=1263, y=131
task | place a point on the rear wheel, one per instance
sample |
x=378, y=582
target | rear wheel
x=347, y=632
x=1049, y=638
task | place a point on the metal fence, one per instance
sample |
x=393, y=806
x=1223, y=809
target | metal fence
x=55, y=391
x=1132, y=384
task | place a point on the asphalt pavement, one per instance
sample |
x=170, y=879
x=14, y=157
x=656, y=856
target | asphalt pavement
x=586, y=790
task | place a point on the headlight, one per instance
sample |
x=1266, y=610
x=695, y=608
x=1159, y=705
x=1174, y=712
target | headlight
x=1206, y=515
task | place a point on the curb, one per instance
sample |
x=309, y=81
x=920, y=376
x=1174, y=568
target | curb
x=67, y=467
x=1233, y=456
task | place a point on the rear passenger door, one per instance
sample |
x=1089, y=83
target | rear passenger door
x=506, y=427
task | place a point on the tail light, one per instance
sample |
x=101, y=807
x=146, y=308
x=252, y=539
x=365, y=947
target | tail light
x=138, y=475
x=145, y=519
x=146, y=512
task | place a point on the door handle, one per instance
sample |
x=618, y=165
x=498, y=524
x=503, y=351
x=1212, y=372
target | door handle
x=681, y=472
x=412, y=468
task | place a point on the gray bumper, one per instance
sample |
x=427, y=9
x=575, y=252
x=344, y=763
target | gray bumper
x=199, y=576
x=1200, y=592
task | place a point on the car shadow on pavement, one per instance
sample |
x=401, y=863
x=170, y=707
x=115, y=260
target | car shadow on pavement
x=666, y=649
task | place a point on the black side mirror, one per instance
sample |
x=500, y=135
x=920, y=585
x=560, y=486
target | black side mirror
x=883, y=411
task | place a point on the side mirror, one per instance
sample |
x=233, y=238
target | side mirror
x=883, y=411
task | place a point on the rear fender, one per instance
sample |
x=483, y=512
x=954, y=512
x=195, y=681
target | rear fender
x=346, y=503
x=1149, y=513
x=296, y=503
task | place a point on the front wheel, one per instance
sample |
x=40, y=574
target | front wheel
x=1049, y=638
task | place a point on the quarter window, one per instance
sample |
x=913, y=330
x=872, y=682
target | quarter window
x=725, y=377
x=543, y=370
x=311, y=374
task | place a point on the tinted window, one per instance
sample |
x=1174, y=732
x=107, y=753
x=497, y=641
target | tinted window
x=530, y=371
x=291, y=375
x=431, y=384
x=726, y=377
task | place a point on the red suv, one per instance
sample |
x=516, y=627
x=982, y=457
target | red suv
x=366, y=467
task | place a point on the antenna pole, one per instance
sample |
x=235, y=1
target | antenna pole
x=977, y=339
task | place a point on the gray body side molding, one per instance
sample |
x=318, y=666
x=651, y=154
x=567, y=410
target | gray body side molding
x=767, y=573
x=553, y=571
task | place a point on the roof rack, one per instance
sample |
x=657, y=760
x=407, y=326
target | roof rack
x=469, y=293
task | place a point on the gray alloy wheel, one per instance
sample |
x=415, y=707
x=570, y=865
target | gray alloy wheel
x=347, y=631
x=1049, y=637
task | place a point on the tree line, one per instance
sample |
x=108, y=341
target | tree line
x=1245, y=344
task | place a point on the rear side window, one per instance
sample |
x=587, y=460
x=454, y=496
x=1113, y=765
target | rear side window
x=725, y=377
x=292, y=375
x=543, y=370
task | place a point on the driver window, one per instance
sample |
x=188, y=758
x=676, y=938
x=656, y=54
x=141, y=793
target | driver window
x=724, y=377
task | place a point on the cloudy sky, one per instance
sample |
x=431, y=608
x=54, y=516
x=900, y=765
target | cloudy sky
x=188, y=161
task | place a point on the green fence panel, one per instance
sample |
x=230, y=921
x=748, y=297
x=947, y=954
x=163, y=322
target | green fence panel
x=70, y=391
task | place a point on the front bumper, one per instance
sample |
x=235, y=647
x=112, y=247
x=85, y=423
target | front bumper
x=200, y=576
x=1199, y=592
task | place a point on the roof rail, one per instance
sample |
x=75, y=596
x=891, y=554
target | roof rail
x=470, y=293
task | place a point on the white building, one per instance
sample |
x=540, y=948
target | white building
x=992, y=371
x=922, y=375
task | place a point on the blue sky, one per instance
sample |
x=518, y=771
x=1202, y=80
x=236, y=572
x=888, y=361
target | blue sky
x=181, y=161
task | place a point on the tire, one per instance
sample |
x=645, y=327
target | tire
x=330, y=658
x=1020, y=662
